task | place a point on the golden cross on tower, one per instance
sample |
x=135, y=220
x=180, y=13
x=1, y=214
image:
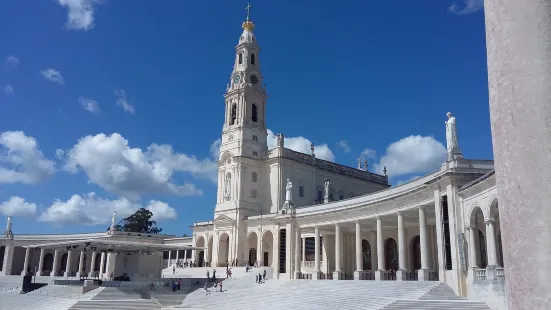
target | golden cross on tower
x=248, y=8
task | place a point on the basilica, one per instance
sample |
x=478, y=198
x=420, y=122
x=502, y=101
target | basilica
x=304, y=217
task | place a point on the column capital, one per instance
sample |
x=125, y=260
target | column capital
x=400, y=213
x=423, y=208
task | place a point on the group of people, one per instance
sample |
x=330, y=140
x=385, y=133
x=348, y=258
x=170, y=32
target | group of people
x=261, y=277
x=186, y=264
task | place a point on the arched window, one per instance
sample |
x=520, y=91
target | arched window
x=254, y=177
x=255, y=113
x=240, y=58
x=252, y=59
x=233, y=113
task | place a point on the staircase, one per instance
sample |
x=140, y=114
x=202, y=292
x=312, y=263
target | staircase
x=133, y=304
x=24, y=302
x=201, y=272
x=241, y=294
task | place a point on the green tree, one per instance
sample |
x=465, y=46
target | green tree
x=139, y=222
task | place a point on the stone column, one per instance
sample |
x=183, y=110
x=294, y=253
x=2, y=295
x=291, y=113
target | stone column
x=41, y=262
x=491, y=242
x=289, y=259
x=169, y=258
x=69, y=265
x=402, y=271
x=439, y=236
x=317, y=272
x=92, y=264
x=518, y=34
x=26, y=263
x=298, y=252
x=101, y=264
x=359, y=260
x=423, y=273
x=81, y=264
x=110, y=270
x=56, y=264
x=8, y=260
x=338, y=274
x=379, y=274
x=260, y=252
x=473, y=230
x=373, y=238
x=185, y=255
x=303, y=250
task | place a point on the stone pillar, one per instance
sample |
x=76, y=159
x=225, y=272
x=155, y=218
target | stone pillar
x=92, y=264
x=298, y=252
x=26, y=263
x=81, y=268
x=402, y=253
x=289, y=259
x=101, y=264
x=41, y=262
x=423, y=273
x=303, y=250
x=317, y=272
x=379, y=274
x=260, y=252
x=8, y=260
x=178, y=252
x=439, y=236
x=473, y=230
x=170, y=258
x=56, y=264
x=491, y=242
x=359, y=260
x=518, y=34
x=110, y=270
x=69, y=265
x=338, y=274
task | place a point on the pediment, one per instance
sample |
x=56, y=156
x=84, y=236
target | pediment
x=223, y=219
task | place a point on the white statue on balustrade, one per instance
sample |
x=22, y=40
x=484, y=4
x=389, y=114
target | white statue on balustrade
x=327, y=188
x=452, y=144
x=113, y=219
x=8, y=233
x=227, y=186
x=289, y=191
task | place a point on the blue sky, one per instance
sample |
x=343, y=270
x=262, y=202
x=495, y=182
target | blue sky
x=116, y=104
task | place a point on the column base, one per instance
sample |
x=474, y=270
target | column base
x=53, y=274
x=297, y=275
x=81, y=274
x=339, y=275
x=66, y=274
x=316, y=275
x=401, y=275
x=357, y=274
x=92, y=274
x=379, y=275
x=40, y=274
x=423, y=274
x=25, y=273
x=471, y=274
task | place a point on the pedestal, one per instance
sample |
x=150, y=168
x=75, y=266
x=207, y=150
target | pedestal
x=317, y=275
x=423, y=274
x=491, y=273
x=380, y=275
x=339, y=275
x=401, y=275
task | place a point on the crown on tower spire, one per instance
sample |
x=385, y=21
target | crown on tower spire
x=248, y=24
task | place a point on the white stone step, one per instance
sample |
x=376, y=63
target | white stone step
x=140, y=304
x=436, y=305
x=24, y=302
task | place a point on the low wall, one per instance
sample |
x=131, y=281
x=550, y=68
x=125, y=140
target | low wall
x=492, y=292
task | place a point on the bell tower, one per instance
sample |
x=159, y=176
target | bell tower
x=244, y=133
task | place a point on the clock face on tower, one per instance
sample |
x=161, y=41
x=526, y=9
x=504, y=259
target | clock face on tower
x=236, y=79
x=254, y=79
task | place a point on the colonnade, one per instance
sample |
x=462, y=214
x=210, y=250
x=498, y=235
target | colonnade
x=423, y=273
x=106, y=267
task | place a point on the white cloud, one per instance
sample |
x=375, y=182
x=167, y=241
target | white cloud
x=81, y=13
x=407, y=180
x=301, y=144
x=12, y=62
x=112, y=164
x=90, y=209
x=8, y=89
x=161, y=211
x=17, y=206
x=21, y=161
x=215, y=149
x=53, y=75
x=123, y=102
x=89, y=105
x=413, y=154
x=467, y=7
x=368, y=153
x=344, y=145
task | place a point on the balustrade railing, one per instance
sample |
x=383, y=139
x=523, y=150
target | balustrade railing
x=480, y=274
x=366, y=275
x=433, y=276
x=500, y=273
